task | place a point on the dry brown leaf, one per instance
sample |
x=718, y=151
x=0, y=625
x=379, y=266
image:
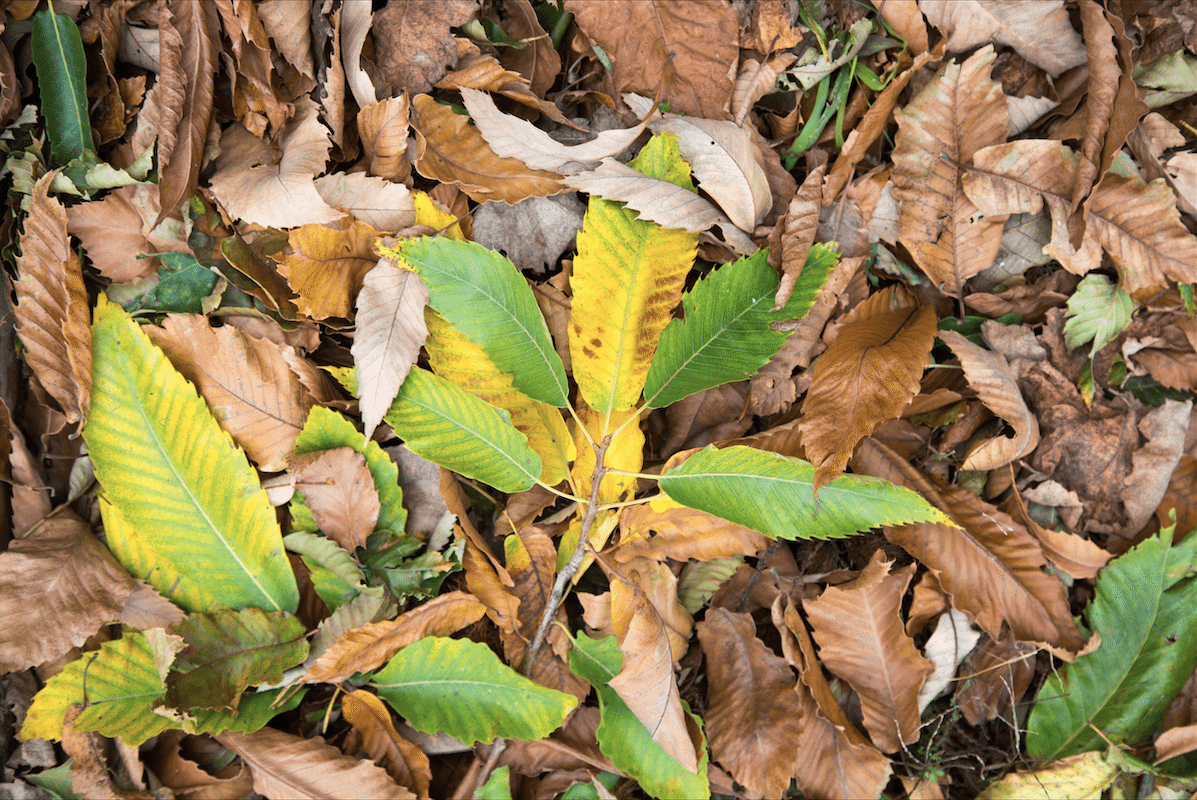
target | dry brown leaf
x=405, y=762
x=960, y=112
x=712, y=415
x=252, y=74
x=145, y=609
x=245, y=382
x=327, y=266
x=289, y=25
x=450, y=149
x=999, y=673
x=256, y=185
x=89, y=768
x=183, y=776
x=1080, y=558
x=1163, y=430
x=990, y=376
x=539, y=61
x=370, y=646
x=755, y=80
x=646, y=682
x=861, y=639
x=795, y=234
x=58, y=585
x=990, y=566
x=355, y=22
x=286, y=766
x=684, y=51
x=116, y=229
x=658, y=585
x=381, y=204
x=906, y=20
x=1039, y=30
x=30, y=494
x=753, y=713
x=511, y=137
x=390, y=332
x=414, y=42
x=383, y=128
x=483, y=72
x=189, y=37
x=53, y=317
x=1181, y=496
x=1175, y=742
x=340, y=493
x=866, y=377
x=681, y=533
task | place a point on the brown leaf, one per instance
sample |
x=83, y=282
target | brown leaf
x=956, y=115
x=116, y=229
x=1181, y=496
x=483, y=72
x=289, y=25
x=753, y=713
x=383, y=127
x=183, y=776
x=1080, y=558
x=657, y=583
x=1039, y=30
x=907, y=21
x=327, y=267
x=682, y=50
x=999, y=673
x=190, y=48
x=381, y=204
x=405, y=762
x=370, y=646
x=755, y=80
x=796, y=233
x=290, y=766
x=414, y=42
x=355, y=22
x=990, y=376
x=255, y=185
x=58, y=585
x=53, y=317
x=450, y=149
x=340, y=493
x=712, y=415
x=1164, y=430
x=861, y=639
x=245, y=382
x=681, y=533
x=390, y=332
x=868, y=374
x=539, y=61
x=990, y=566
x=89, y=768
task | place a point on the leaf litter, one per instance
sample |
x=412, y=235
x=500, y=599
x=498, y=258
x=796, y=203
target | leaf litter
x=976, y=312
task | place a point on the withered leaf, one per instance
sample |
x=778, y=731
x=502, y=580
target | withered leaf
x=414, y=41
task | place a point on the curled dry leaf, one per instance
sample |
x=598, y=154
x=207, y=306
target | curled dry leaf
x=484, y=73
x=355, y=24
x=383, y=128
x=405, y=762
x=754, y=81
x=1039, y=30
x=796, y=233
x=1080, y=558
x=990, y=376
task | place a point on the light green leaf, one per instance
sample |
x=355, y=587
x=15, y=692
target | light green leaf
x=190, y=504
x=447, y=425
x=1144, y=613
x=253, y=712
x=1098, y=311
x=484, y=296
x=623, y=738
x=335, y=573
x=460, y=687
x=774, y=494
x=725, y=334
x=497, y=786
x=124, y=681
x=61, y=77
x=229, y=651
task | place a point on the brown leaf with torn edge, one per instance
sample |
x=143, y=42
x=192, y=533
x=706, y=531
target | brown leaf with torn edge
x=404, y=761
x=483, y=72
x=390, y=333
x=340, y=493
x=866, y=377
x=1080, y=558
x=245, y=382
x=53, y=317
x=962, y=111
x=990, y=376
x=753, y=714
x=58, y=585
x=861, y=639
x=450, y=149
x=284, y=765
x=795, y=233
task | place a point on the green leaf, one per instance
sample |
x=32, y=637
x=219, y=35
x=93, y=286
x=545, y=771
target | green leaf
x=120, y=684
x=254, y=711
x=183, y=284
x=497, y=786
x=61, y=78
x=460, y=687
x=484, y=296
x=774, y=494
x=229, y=651
x=1144, y=613
x=622, y=737
x=190, y=504
x=335, y=573
x=725, y=335
x=447, y=425
x=1098, y=311
x=56, y=781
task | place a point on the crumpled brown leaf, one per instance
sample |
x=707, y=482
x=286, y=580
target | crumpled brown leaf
x=414, y=42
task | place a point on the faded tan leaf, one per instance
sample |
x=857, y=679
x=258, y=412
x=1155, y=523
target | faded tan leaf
x=390, y=332
x=383, y=128
x=406, y=763
x=956, y=115
x=381, y=204
x=990, y=376
x=414, y=42
x=340, y=493
x=753, y=713
x=327, y=267
x=1039, y=30
x=356, y=19
x=867, y=375
x=117, y=228
x=861, y=639
x=291, y=766
x=53, y=318
x=245, y=382
x=659, y=586
x=754, y=81
x=289, y=25
x=681, y=533
x=58, y=585
x=796, y=233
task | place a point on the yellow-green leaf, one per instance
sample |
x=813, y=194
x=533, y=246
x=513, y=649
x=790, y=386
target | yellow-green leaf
x=628, y=277
x=191, y=509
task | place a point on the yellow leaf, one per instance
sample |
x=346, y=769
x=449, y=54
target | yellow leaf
x=625, y=452
x=628, y=277
x=454, y=357
x=427, y=213
x=327, y=266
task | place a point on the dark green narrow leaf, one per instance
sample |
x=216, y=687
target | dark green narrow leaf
x=61, y=77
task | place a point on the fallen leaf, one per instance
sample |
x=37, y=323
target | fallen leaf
x=1039, y=30
x=381, y=204
x=405, y=762
x=414, y=41
x=949, y=644
x=383, y=128
x=327, y=267
x=339, y=491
